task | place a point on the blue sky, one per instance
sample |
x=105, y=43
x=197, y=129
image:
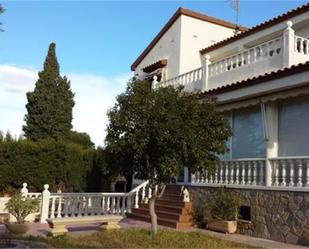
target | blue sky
x=96, y=44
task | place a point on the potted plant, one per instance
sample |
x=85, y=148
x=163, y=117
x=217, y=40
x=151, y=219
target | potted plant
x=20, y=207
x=221, y=212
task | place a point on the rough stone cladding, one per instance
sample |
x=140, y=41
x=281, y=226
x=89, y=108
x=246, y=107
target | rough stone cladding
x=277, y=215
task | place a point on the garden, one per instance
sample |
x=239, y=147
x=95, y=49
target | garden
x=136, y=238
x=152, y=134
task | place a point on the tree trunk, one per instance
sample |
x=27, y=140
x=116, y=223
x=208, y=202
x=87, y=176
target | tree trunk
x=152, y=211
x=153, y=215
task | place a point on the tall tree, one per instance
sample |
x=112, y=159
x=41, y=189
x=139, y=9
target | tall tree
x=81, y=138
x=49, y=107
x=160, y=131
x=1, y=11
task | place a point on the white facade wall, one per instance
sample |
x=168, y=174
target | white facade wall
x=196, y=35
x=303, y=32
x=168, y=47
x=181, y=44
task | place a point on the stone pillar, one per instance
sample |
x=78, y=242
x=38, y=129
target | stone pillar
x=288, y=45
x=186, y=175
x=45, y=204
x=271, y=120
x=205, y=72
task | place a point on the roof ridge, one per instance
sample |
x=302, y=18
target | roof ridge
x=268, y=23
x=189, y=12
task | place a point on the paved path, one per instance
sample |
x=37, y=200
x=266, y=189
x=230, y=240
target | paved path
x=251, y=241
x=38, y=229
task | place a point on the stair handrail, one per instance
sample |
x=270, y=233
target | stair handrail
x=137, y=188
x=134, y=195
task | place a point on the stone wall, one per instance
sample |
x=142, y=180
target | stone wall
x=277, y=215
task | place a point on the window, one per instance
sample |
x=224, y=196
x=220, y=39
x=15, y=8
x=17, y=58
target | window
x=293, y=127
x=227, y=155
x=248, y=137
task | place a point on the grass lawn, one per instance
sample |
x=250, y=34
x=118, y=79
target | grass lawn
x=140, y=238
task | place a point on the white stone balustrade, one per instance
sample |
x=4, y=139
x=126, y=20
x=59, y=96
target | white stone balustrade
x=249, y=172
x=301, y=45
x=286, y=173
x=58, y=205
x=246, y=57
x=284, y=51
x=290, y=171
x=86, y=204
x=191, y=80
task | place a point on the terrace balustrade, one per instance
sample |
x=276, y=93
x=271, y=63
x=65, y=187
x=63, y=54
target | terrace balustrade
x=286, y=173
x=284, y=51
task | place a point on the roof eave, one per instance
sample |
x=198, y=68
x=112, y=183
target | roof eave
x=178, y=13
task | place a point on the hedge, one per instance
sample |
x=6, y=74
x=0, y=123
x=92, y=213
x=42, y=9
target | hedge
x=58, y=163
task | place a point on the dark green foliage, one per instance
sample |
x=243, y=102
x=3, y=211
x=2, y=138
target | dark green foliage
x=81, y=138
x=99, y=178
x=1, y=11
x=156, y=133
x=20, y=207
x=119, y=162
x=58, y=163
x=50, y=104
x=224, y=205
x=8, y=137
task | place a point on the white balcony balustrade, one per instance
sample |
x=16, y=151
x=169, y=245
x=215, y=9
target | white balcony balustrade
x=284, y=51
x=191, y=81
x=261, y=59
x=301, y=46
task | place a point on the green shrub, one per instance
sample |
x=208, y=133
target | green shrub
x=20, y=207
x=57, y=163
x=224, y=205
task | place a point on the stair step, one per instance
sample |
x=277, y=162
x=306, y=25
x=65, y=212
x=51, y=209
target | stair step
x=169, y=208
x=163, y=221
x=169, y=202
x=164, y=214
x=173, y=186
x=177, y=197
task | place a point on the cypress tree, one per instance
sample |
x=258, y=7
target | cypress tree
x=49, y=107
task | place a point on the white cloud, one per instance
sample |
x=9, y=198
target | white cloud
x=94, y=95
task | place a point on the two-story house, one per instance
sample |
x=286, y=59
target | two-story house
x=260, y=77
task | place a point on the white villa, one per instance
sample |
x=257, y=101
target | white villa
x=260, y=77
x=261, y=80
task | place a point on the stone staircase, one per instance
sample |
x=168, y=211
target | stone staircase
x=170, y=209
